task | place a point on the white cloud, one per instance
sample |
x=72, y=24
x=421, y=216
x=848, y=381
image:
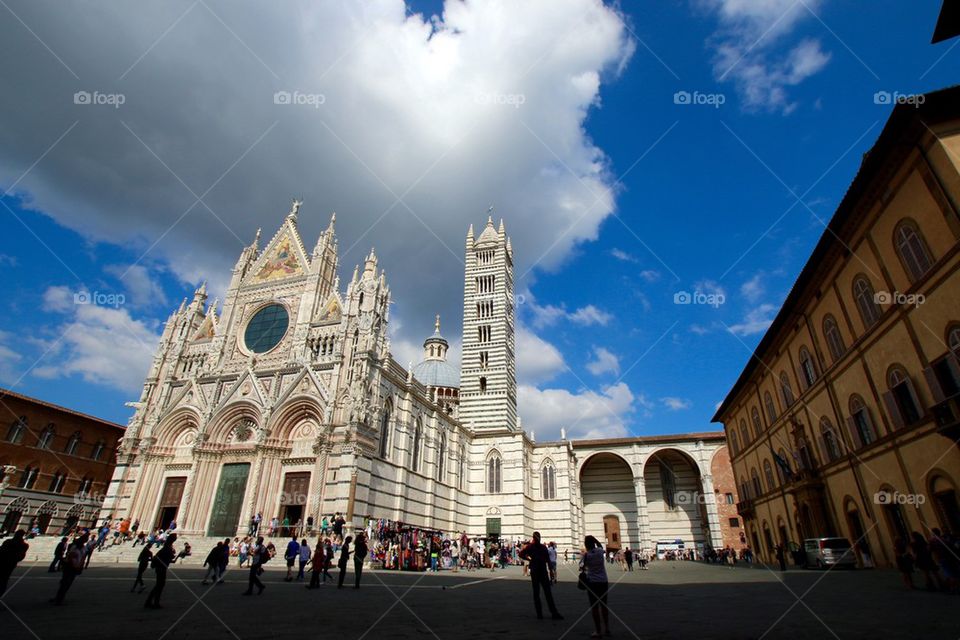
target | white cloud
x=58, y=299
x=537, y=359
x=413, y=105
x=622, y=255
x=604, y=361
x=7, y=260
x=675, y=404
x=747, y=45
x=546, y=315
x=756, y=321
x=9, y=359
x=711, y=288
x=141, y=286
x=590, y=315
x=584, y=414
x=650, y=275
x=753, y=288
x=699, y=330
x=102, y=345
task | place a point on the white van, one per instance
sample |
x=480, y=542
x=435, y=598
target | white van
x=822, y=553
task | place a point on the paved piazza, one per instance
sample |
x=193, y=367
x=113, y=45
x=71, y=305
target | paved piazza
x=670, y=600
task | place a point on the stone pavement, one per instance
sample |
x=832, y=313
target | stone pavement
x=670, y=600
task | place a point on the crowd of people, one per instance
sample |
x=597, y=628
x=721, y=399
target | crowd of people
x=936, y=560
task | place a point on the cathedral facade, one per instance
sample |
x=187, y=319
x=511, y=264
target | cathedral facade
x=286, y=401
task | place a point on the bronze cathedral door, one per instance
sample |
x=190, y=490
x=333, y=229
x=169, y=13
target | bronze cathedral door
x=225, y=516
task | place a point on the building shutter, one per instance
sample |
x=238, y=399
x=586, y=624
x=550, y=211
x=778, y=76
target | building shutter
x=854, y=433
x=934, y=384
x=893, y=410
x=921, y=410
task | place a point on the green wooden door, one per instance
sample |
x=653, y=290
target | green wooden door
x=225, y=515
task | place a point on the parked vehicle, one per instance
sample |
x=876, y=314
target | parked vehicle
x=822, y=553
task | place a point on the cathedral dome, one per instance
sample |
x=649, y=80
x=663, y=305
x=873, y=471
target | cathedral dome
x=434, y=370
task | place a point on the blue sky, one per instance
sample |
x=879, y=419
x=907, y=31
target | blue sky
x=722, y=199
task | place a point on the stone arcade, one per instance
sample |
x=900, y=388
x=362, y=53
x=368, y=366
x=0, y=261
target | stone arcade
x=288, y=402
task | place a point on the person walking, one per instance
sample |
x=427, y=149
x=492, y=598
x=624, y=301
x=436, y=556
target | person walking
x=224, y=561
x=304, y=557
x=552, y=553
x=71, y=567
x=594, y=574
x=260, y=557
x=12, y=552
x=291, y=556
x=781, y=557
x=359, y=556
x=161, y=562
x=628, y=557
x=327, y=560
x=537, y=555
x=212, y=563
x=317, y=563
x=143, y=561
x=344, y=557
x=58, y=555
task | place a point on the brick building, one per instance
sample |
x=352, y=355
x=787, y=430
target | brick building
x=56, y=464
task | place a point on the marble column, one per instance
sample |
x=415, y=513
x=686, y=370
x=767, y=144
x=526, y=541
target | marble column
x=643, y=517
x=710, y=506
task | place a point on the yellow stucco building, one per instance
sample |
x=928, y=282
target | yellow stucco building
x=846, y=419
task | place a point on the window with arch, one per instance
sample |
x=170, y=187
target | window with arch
x=385, y=431
x=833, y=338
x=744, y=490
x=768, y=474
x=953, y=339
x=808, y=368
x=861, y=425
x=902, y=402
x=46, y=437
x=417, y=445
x=16, y=430
x=29, y=477
x=770, y=406
x=57, y=482
x=548, y=481
x=97, y=452
x=86, y=485
x=912, y=249
x=441, y=455
x=744, y=434
x=734, y=445
x=866, y=301
x=785, y=389
x=943, y=375
x=757, y=423
x=806, y=458
x=73, y=444
x=494, y=473
x=461, y=461
x=755, y=480
x=783, y=466
x=831, y=443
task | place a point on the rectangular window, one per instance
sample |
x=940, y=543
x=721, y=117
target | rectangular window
x=729, y=498
x=735, y=523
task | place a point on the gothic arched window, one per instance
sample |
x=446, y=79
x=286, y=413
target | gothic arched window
x=17, y=429
x=548, y=482
x=494, y=473
x=785, y=389
x=757, y=422
x=808, y=369
x=912, y=250
x=831, y=444
x=441, y=455
x=417, y=444
x=768, y=474
x=97, y=451
x=770, y=406
x=461, y=461
x=744, y=434
x=385, y=431
x=831, y=333
x=46, y=437
x=73, y=444
x=866, y=301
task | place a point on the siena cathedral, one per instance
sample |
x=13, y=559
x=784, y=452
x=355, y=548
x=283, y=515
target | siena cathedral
x=287, y=402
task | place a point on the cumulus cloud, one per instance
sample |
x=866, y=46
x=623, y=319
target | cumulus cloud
x=141, y=287
x=9, y=359
x=102, y=345
x=537, y=360
x=650, y=275
x=590, y=315
x=604, y=361
x=753, y=288
x=549, y=314
x=408, y=126
x=756, y=321
x=584, y=414
x=622, y=255
x=747, y=47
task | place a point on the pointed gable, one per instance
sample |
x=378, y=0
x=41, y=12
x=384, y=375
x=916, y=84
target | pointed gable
x=284, y=257
x=331, y=311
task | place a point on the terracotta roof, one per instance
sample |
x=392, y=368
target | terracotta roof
x=905, y=127
x=13, y=394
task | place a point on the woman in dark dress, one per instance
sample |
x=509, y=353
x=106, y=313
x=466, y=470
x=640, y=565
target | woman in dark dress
x=344, y=558
x=164, y=558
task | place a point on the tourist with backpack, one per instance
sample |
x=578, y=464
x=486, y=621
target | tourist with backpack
x=71, y=567
x=260, y=557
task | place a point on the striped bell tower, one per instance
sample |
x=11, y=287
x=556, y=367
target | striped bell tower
x=488, y=378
